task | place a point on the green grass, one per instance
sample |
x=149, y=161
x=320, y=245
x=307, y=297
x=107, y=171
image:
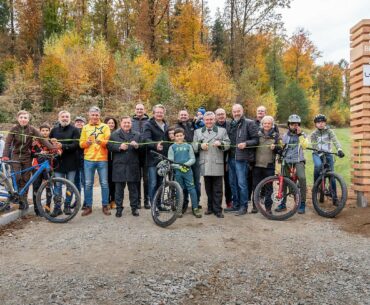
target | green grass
x=342, y=166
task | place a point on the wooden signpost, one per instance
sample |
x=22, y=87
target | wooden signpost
x=360, y=110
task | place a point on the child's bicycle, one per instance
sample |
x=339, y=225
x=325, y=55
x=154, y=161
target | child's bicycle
x=329, y=192
x=53, y=192
x=278, y=197
x=168, y=199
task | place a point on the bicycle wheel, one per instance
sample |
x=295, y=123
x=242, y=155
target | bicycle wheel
x=60, y=197
x=266, y=198
x=329, y=195
x=5, y=190
x=167, y=203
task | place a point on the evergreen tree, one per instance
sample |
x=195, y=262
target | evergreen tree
x=218, y=37
x=293, y=100
x=51, y=20
x=162, y=91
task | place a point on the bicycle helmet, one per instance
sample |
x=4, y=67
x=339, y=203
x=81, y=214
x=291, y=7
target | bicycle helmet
x=294, y=118
x=319, y=118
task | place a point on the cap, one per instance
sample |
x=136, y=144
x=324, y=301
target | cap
x=80, y=118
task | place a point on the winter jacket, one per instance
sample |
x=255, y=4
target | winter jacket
x=181, y=153
x=20, y=138
x=152, y=135
x=189, y=129
x=322, y=139
x=95, y=152
x=265, y=156
x=243, y=131
x=274, y=127
x=211, y=161
x=294, y=146
x=138, y=123
x=69, y=137
x=126, y=163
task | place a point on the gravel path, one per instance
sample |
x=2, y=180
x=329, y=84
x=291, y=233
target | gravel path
x=236, y=260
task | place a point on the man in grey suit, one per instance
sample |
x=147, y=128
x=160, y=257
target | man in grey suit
x=211, y=141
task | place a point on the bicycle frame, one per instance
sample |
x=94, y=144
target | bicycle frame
x=44, y=166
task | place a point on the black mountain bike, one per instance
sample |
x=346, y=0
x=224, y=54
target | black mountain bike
x=329, y=192
x=168, y=199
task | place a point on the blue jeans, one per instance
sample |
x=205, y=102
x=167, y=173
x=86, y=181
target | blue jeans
x=58, y=188
x=89, y=169
x=238, y=172
x=153, y=182
x=317, y=168
x=186, y=181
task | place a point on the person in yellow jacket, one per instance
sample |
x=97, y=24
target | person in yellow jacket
x=93, y=140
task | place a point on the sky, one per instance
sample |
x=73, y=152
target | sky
x=328, y=21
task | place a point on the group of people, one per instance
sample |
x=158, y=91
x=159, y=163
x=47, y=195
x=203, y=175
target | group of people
x=232, y=155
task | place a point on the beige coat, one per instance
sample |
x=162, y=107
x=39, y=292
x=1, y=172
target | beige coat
x=211, y=161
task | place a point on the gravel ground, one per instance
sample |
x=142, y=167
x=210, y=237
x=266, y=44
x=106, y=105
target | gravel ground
x=236, y=260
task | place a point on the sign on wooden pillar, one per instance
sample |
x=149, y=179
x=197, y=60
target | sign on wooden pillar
x=360, y=110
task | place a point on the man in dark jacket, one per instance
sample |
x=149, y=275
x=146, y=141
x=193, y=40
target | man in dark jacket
x=138, y=122
x=243, y=135
x=222, y=122
x=126, y=164
x=188, y=126
x=66, y=137
x=155, y=135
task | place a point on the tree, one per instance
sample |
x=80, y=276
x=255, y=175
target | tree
x=274, y=65
x=51, y=18
x=162, y=91
x=293, y=100
x=299, y=59
x=186, y=35
x=218, y=37
x=330, y=84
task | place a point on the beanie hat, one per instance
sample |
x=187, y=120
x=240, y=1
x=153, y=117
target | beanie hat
x=201, y=110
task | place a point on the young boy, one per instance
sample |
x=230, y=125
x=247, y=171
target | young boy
x=183, y=153
x=295, y=142
x=322, y=139
x=38, y=147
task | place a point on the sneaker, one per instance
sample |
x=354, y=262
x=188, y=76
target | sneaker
x=67, y=210
x=146, y=205
x=301, y=209
x=254, y=210
x=112, y=205
x=220, y=215
x=197, y=213
x=231, y=210
x=56, y=212
x=242, y=211
x=135, y=213
x=281, y=207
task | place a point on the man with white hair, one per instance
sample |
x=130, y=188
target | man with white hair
x=65, y=136
x=211, y=142
x=94, y=139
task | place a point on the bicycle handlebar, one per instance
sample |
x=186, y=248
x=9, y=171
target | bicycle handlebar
x=321, y=151
x=160, y=156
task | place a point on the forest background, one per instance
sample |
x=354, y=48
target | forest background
x=72, y=54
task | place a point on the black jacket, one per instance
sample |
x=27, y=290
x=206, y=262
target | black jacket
x=189, y=129
x=68, y=136
x=126, y=163
x=138, y=124
x=225, y=125
x=243, y=131
x=153, y=133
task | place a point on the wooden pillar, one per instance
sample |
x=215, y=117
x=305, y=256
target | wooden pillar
x=360, y=110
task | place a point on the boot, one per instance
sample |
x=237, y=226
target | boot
x=301, y=209
x=23, y=203
x=281, y=207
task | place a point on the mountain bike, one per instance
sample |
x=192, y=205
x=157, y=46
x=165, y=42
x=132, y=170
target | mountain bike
x=329, y=192
x=168, y=199
x=278, y=197
x=53, y=193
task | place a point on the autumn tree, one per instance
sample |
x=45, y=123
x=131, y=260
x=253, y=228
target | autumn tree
x=299, y=59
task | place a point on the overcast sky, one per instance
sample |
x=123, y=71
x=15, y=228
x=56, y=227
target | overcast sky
x=328, y=21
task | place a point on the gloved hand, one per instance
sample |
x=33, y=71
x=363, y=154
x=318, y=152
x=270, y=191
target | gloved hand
x=184, y=169
x=340, y=154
